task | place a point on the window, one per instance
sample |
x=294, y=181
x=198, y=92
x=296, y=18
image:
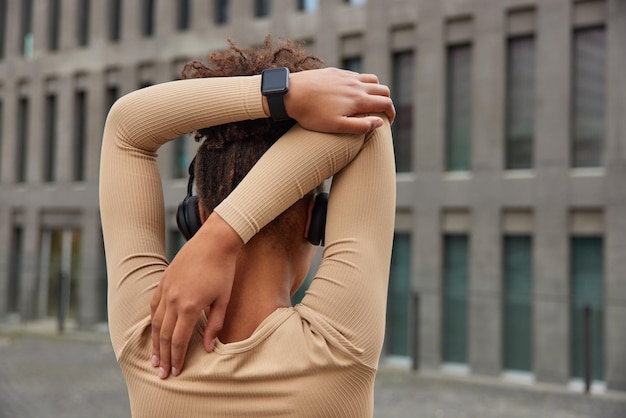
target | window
x=455, y=293
x=174, y=244
x=402, y=93
x=353, y=64
x=1, y=133
x=26, y=29
x=589, y=95
x=111, y=95
x=520, y=106
x=517, y=304
x=54, y=24
x=184, y=14
x=222, y=11
x=307, y=5
x=399, y=297
x=115, y=20
x=261, y=8
x=61, y=255
x=458, y=108
x=23, y=123
x=181, y=159
x=147, y=16
x=82, y=22
x=587, y=277
x=80, y=134
x=50, y=139
x=15, y=270
x=3, y=26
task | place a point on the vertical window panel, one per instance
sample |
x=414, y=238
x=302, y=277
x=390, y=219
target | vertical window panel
x=23, y=123
x=307, y=5
x=587, y=289
x=50, y=138
x=147, y=17
x=1, y=133
x=174, y=244
x=3, y=27
x=26, y=29
x=183, y=14
x=80, y=135
x=111, y=95
x=180, y=163
x=353, y=64
x=520, y=107
x=399, y=294
x=455, y=296
x=15, y=270
x=588, y=107
x=261, y=8
x=114, y=20
x=517, y=304
x=82, y=22
x=402, y=93
x=222, y=11
x=458, y=108
x=54, y=24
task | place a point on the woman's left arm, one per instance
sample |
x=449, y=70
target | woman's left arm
x=131, y=197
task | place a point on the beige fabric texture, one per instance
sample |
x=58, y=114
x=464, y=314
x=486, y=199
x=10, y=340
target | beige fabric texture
x=317, y=359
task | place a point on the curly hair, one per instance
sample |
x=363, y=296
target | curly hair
x=229, y=151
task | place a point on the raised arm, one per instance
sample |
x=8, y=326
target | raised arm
x=347, y=298
x=138, y=124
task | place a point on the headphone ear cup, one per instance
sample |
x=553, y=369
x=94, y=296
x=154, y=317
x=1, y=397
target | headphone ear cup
x=317, y=228
x=188, y=217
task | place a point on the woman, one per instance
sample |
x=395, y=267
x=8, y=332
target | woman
x=233, y=279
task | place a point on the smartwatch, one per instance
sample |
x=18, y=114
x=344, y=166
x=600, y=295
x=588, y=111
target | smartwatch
x=274, y=86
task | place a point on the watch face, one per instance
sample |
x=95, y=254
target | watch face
x=275, y=80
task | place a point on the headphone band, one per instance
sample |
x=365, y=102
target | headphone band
x=191, y=176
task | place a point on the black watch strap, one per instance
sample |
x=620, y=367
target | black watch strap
x=276, y=104
x=274, y=86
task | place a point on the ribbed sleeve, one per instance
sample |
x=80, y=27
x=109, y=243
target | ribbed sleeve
x=315, y=360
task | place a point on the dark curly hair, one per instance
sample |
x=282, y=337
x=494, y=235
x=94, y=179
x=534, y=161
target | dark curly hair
x=229, y=151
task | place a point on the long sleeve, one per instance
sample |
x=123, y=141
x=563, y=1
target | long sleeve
x=347, y=298
x=131, y=195
x=317, y=359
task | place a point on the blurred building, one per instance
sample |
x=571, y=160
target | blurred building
x=511, y=159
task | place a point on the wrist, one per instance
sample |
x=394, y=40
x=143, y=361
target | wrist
x=220, y=232
x=274, y=87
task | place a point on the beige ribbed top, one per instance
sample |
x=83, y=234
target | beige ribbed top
x=317, y=359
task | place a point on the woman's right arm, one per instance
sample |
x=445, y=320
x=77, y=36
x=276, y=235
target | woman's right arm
x=326, y=100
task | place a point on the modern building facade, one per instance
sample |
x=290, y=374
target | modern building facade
x=510, y=148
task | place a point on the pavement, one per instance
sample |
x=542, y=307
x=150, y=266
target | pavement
x=43, y=374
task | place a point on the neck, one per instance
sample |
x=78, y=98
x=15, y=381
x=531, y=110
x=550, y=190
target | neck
x=262, y=284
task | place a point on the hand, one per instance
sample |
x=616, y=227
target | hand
x=337, y=101
x=199, y=278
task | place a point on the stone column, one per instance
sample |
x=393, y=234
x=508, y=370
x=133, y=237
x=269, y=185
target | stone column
x=615, y=274
x=551, y=271
x=428, y=162
x=485, y=286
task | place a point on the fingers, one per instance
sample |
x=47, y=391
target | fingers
x=359, y=125
x=180, y=341
x=171, y=334
x=157, y=320
x=165, y=344
x=367, y=78
x=215, y=322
